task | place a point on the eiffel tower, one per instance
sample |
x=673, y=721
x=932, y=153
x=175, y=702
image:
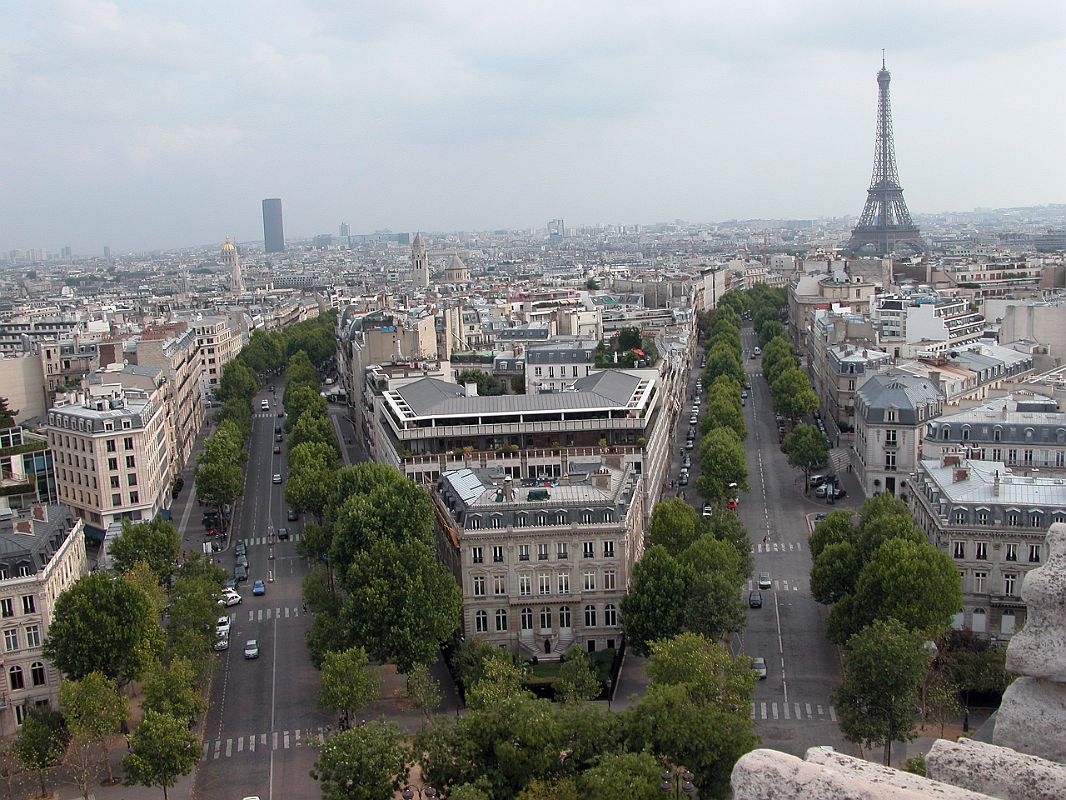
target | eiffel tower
x=885, y=224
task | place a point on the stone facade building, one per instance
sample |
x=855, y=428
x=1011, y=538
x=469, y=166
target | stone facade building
x=543, y=565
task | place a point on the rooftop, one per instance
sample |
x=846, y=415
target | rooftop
x=975, y=483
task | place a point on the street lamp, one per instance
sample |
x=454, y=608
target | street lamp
x=424, y=793
x=680, y=780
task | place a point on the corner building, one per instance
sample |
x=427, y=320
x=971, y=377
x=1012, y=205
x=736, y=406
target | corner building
x=543, y=565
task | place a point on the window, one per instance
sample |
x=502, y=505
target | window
x=1034, y=519
x=982, y=551
x=590, y=616
x=586, y=517
x=545, y=619
x=527, y=619
x=131, y=462
x=135, y=497
x=607, y=516
x=28, y=604
x=1012, y=552
x=608, y=548
x=112, y=464
x=564, y=583
x=1008, y=584
x=477, y=555
x=1034, y=554
x=37, y=674
x=979, y=579
x=561, y=550
x=11, y=639
x=1012, y=456
x=590, y=580
x=33, y=636
x=479, y=585
x=499, y=585
x=497, y=554
x=610, y=616
x=525, y=585
x=890, y=437
x=7, y=608
x=473, y=522
x=588, y=549
x=564, y=616
x=114, y=482
x=542, y=551
x=20, y=713
x=890, y=462
x=545, y=583
x=495, y=521
x=609, y=579
x=127, y=443
x=523, y=552
x=501, y=619
x=1012, y=517
x=109, y=446
x=15, y=679
x=481, y=622
x=131, y=479
x=958, y=549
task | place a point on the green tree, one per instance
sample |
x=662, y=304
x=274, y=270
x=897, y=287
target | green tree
x=635, y=776
x=708, y=555
x=722, y=464
x=883, y=668
x=174, y=689
x=401, y=602
x=141, y=576
x=423, y=691
x=550, y=789
x=973, y=663
x=629, y=338
x=770, y=330
x=311, y=468
x=368, y=762
x=237, y=381
x=7, y=415
x=237, y=411
x=674, y=524
x=726, y=526
x=93, y=708
x=304, y=398
x=941, y=699
x=41, y=742
x=715, y=607
x=577, y=678
x=103, y=624
x=348, y=682
x=471, y=658
x=793, y=396
x=912, y=582
x=723, y=360
x=724, y=413
x=500, y=680
x=655, y=605
x=807, y=449
x=157, y=543
x=311, y=427
x=836, y=527
x=193, y=611
x=834, y=572
x=161, y=748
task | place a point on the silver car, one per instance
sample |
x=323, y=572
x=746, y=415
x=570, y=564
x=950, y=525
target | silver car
x=251, y=648
x=758, y=666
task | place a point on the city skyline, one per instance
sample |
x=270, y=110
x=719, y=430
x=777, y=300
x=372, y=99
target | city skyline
x=156, y=129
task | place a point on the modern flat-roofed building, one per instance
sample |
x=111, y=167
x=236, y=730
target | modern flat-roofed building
x=42, y=552
x=993, y=524
x=27, y=471
x=273, y=228
x=543, y=565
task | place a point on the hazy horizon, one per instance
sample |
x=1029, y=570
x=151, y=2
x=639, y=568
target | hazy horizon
x=147, y=126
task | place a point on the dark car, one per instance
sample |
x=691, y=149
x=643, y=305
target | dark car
x=278, y=437
x=755, y=599
x=283, y=533
x=291, y=515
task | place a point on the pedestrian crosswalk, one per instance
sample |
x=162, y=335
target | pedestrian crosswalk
x=779, y=585
x=263, y=614
x=293, y=537
x=777, y=547
x=265, y=414
x=790, y=711
x=275, y=740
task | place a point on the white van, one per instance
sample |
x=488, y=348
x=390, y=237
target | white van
x=264, y=405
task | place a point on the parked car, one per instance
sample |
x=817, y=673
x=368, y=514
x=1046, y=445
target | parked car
x=755, y=599
x=241, y=548
x=825, y=488
x=707, y=510
x=229, y=598
x=251, y=648
x=764, y=580
x=691, y=443
x=240, y=573
x=758, y=666
x=682, y=479
x=757, y=351
x=222, y=626
x=259, y=587
x=686, y=461
x=693, y=419
x=279, y=437
x=222, y=643
x=743, y=394
x=818, y=480
x=242, y=561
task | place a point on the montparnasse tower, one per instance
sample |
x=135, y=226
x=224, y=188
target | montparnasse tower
x=232, y=260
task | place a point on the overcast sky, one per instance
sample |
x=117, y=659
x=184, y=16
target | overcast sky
x=153, y=124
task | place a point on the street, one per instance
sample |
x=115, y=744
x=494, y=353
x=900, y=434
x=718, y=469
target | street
x=792, y=709
x=264, y=712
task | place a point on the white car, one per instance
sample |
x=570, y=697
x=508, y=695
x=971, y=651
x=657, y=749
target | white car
x=222, y=627
x=222, y=644
x=277, y=477
x=707, y=510
x=229, y=598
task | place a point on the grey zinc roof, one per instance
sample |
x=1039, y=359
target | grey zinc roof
x=904, y=393
x=606, y=389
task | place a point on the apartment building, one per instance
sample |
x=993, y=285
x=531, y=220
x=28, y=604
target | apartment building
x=555, y=365
x=996, y=277
x=543, y=565
x=173, y=350
x=27, y=471
x=809, y=294
x=22, y=384
x=925, y=323
x=993, y=524
x=842, y=352
x=42, y=552
x=218, y=341
x=1024, y=430
x=111, y=455
x=891, y=411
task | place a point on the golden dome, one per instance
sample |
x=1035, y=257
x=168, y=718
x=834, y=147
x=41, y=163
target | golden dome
x=228, y=247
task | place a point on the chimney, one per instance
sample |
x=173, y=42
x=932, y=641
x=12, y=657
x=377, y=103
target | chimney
x=508, y=488
x=471, y=390
x=1004, y=411
x=40, y=513
x=960, y=475
x=23, y=526
x=601, y=479
x=934, y=376
x=995, y=485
